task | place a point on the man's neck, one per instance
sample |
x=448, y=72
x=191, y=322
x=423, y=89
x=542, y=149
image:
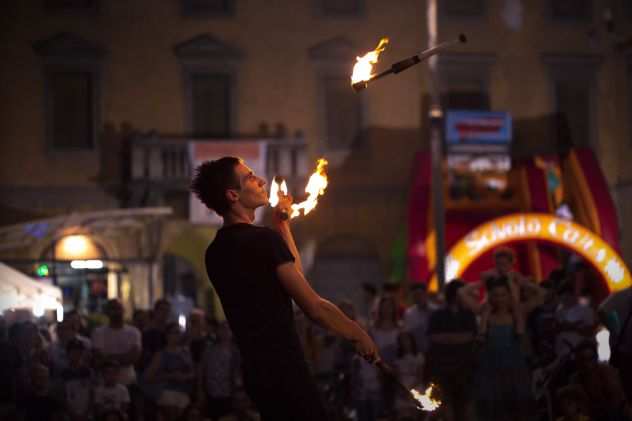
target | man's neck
x=239, y=216
x=116, y=325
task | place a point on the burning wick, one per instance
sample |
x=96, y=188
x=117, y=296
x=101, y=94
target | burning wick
x=426, y=400
x=364, y=65
x=361, y=83
x=315, y=187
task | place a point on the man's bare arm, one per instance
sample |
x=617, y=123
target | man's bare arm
x=323, y=311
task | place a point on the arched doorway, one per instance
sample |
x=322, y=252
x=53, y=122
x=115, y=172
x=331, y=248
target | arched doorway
x=343, y=266
x=78, y=264
x=548, y=228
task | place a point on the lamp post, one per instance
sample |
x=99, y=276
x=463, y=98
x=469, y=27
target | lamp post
x=436, y=151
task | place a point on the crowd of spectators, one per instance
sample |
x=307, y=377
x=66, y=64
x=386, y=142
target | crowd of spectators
x=503, y=348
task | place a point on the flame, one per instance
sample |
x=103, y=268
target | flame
x=427, y=402
x=315, y=187
x=364, y=65
x=274, y=192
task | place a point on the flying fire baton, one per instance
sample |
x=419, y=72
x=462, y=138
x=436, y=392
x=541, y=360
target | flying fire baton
x=402, y=65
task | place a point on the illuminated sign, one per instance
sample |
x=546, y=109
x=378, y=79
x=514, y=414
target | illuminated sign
x=477, y=127
x=540, y=227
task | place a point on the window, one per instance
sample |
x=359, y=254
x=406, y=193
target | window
x=342, y=8
x=342, y=112
x=71, y=5
x=571, y=10
x=572, y=103
x=465, y=81
x=203, y=8
x=573, y=81
x=210, y=97
x=210, y=69
x=71, y=96
x=462, y=8
x=339, y=107
x=71, y=91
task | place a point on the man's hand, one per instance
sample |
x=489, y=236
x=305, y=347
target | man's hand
x=367, y=349
x=283, y=209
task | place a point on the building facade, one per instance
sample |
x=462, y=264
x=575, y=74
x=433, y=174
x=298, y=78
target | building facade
x=83, y=81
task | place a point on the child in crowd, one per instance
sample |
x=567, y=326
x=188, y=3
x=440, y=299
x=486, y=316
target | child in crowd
x=77, y=379
x=111, y=399
x=220, y=367
x=171, y=370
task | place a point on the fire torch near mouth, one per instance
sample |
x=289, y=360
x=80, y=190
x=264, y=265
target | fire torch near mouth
x=315, y=187
x=362, y=69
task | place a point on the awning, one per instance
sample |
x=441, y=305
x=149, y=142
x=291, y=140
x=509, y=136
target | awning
x=19, y=291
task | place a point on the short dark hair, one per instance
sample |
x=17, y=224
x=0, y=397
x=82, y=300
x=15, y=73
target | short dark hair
x=451, y=290
x=212, y=179
x=504, y=252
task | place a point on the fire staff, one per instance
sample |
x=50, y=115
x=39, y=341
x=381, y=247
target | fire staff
x=257, y=272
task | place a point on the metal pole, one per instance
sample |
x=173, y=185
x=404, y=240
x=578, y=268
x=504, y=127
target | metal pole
x=436, y=140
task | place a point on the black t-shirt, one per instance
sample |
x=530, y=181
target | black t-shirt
x=448, y=321
x=241, y=264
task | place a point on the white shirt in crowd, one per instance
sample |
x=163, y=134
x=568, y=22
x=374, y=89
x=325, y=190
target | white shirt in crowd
x=416, y=322
x=579, y=312
x=111, y=398
x=118, y=341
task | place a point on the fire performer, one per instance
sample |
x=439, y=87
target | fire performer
x=257, y=272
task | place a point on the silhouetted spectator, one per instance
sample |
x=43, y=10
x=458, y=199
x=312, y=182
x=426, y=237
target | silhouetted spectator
x=417, y=315
x=154, y=338
x=78, y=380
x=111, y=399
x=451, y=359
x=39, y=404
x=220, y=374
x=171, y=375
x=502, y=382
x=409, y=368
x=600, y=382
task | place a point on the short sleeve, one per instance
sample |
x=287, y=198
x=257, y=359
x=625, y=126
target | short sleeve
x=278, y=251
x=135, y=337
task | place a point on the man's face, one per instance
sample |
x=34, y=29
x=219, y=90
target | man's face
x=252, y=193
x=503, y=264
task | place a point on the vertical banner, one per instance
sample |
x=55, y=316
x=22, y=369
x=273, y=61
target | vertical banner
x=252, y=152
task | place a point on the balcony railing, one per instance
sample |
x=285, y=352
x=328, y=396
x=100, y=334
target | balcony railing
x=166, y=162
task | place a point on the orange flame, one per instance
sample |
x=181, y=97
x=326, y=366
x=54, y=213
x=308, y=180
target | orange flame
x=364, y=65
x=274, y=192
x=427, y=402
x=315, y=187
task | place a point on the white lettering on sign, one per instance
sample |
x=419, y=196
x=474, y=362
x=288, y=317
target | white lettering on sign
x=570, y=235
x=479, y=240
x=601, y=254
x=520, y=227
x=614, y=270
x=586, y=242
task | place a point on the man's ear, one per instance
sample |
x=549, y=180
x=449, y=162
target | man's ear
x=232, y=195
